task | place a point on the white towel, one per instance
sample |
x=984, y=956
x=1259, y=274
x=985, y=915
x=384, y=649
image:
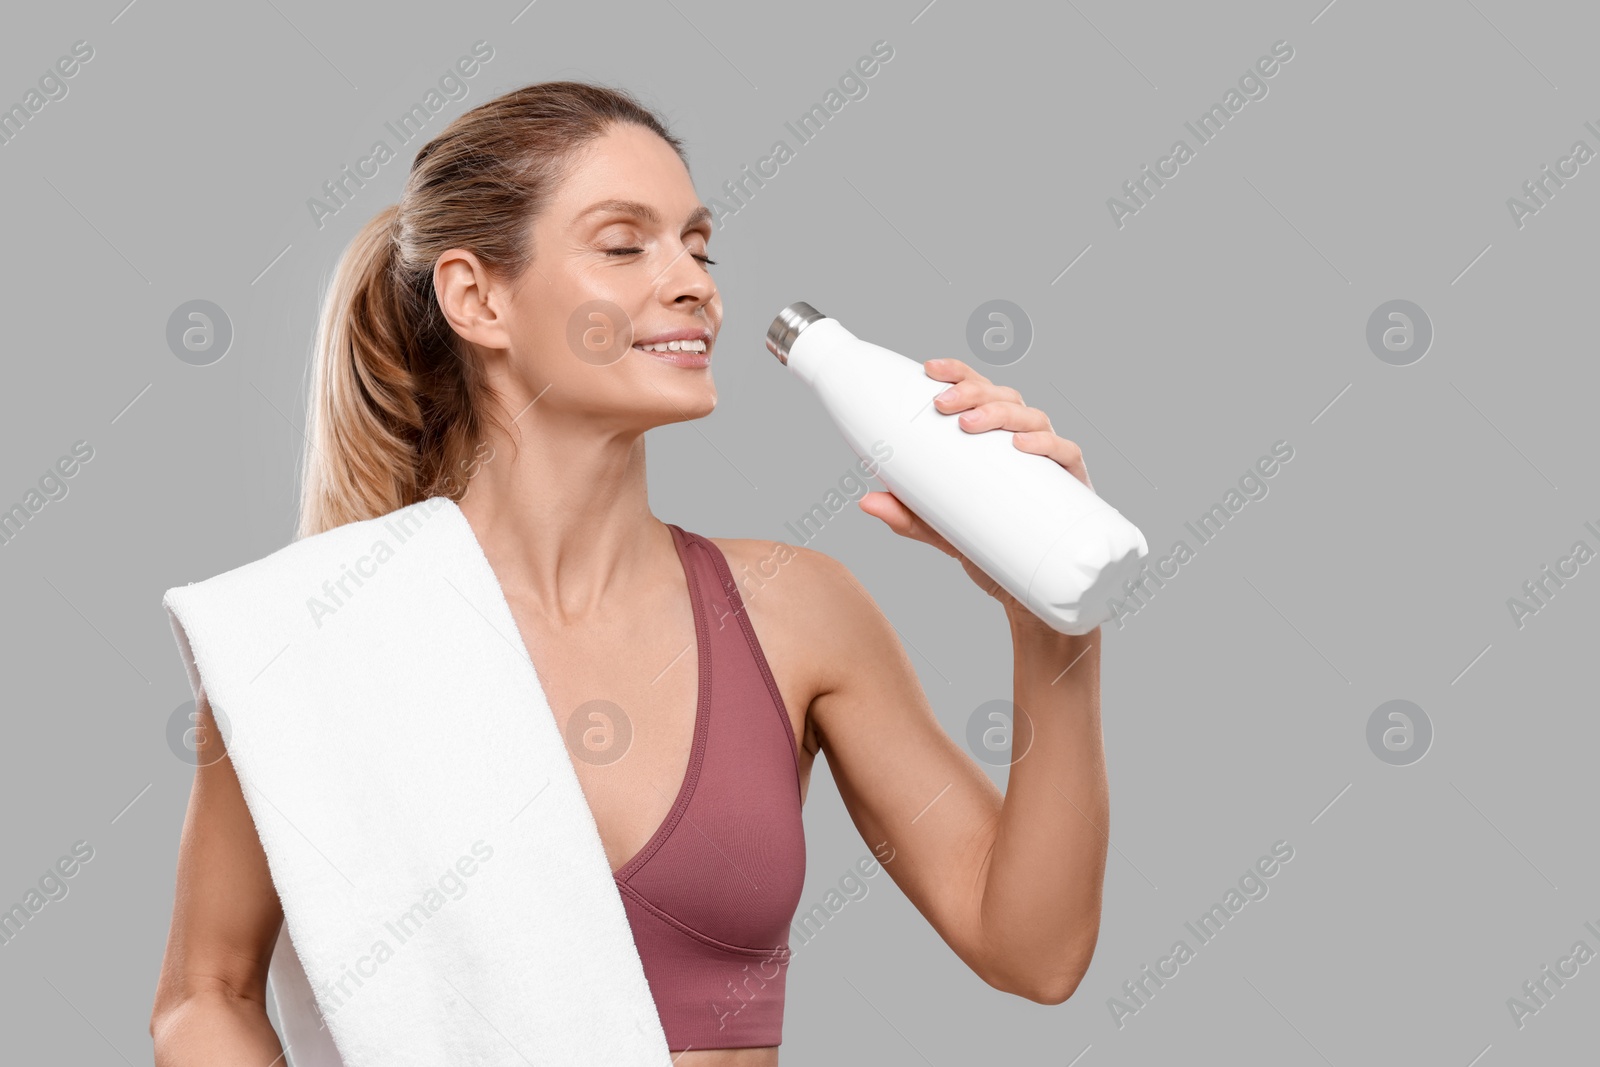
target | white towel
x=446, y=896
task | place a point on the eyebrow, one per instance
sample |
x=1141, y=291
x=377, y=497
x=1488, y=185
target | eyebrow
x=644, y=212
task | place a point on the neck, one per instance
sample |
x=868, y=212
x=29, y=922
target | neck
x=562, y=510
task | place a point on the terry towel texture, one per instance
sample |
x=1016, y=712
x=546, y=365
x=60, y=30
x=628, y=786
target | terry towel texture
x=446, y=896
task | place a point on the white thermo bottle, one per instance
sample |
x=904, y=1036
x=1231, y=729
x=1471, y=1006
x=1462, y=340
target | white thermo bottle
x=1022, y=518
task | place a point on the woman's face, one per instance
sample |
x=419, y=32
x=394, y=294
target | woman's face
x=618, y=278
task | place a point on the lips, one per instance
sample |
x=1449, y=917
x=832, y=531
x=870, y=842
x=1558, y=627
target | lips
x=689, y=346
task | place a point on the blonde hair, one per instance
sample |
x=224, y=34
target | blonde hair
x=397, y=401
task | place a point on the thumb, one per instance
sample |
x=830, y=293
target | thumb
x=892, y=511
x=887, y=507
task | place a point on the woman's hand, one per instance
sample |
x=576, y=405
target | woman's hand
x=983, y=406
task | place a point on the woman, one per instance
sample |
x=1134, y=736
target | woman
x=447, y=365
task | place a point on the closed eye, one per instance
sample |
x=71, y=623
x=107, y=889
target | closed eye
x=707, y=260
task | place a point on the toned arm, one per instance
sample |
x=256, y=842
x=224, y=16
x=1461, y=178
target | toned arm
x=1011, y=882
x=210, y=1004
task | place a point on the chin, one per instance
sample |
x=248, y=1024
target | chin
x=694, y=403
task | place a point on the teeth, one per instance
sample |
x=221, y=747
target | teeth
x=674, y=346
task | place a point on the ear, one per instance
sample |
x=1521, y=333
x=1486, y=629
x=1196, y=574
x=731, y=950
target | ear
x=470, y=300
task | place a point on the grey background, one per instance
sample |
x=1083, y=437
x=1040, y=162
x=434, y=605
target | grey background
x=1228, y=314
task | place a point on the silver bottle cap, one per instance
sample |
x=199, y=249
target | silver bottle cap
x=787, y=326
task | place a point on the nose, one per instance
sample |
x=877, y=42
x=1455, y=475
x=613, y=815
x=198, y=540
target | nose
x=685, y=283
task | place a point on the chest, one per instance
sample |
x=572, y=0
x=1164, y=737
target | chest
x=626, y=696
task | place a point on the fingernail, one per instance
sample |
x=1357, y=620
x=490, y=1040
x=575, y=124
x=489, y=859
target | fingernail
x=947, y=394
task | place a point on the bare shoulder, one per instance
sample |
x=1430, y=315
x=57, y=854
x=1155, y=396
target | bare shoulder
x=796, y=578
x=811, y=604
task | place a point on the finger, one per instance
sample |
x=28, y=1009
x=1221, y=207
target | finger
x=1067, y=453
x=951, y=370
x=972, y=392
x=888, y=508
x=1003, y=415
x=902, y=520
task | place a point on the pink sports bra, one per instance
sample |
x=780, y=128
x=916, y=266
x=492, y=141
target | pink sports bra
x=711, y=895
